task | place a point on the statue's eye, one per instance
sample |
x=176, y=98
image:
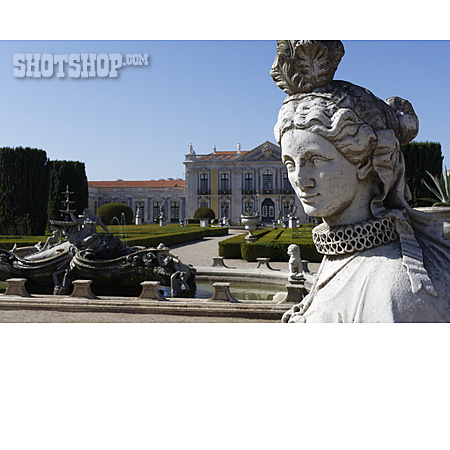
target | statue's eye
x=290, y=166
x=318, y=160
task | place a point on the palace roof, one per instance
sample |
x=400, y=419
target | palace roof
x=153, y=184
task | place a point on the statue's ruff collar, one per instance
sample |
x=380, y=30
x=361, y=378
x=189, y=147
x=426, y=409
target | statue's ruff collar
x=348, y=239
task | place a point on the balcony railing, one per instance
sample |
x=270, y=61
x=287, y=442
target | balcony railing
x=267, y=192
x=249, y=192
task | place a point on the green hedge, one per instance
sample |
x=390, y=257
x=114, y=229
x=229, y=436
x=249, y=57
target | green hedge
x=271, y=244
x=204, y=213
x=231, y=248
x=7, y=242
x=176, y=238
x=151, y=237
x=115, y=210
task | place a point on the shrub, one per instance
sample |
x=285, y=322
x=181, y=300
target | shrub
x=421, y=157
x=65, y=174
x=204, y=213
x=171, y=238
x=23, y=190
x=231, y=248
x=111, y=210
x=271, y=244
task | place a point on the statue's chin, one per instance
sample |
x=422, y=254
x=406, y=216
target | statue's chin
x=311, y=210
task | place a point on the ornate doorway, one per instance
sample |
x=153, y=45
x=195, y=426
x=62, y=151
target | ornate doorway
x=267, y=210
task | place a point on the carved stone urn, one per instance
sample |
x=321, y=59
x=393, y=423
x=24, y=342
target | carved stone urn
x=250, y=223
x=443, y=212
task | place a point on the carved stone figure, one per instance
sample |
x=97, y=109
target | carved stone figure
x=178, y=284
x=383, y=261
x=295, y=263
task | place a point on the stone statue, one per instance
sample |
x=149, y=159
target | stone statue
x=89, y=221
x=178, y=284
x=295, y=263
x=383, y=261
x=292, y=211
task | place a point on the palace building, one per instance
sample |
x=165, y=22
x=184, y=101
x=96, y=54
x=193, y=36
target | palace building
x=229, y=182
x=145, y=196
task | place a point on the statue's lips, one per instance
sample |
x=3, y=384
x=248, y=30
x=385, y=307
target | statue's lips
x=308, y=198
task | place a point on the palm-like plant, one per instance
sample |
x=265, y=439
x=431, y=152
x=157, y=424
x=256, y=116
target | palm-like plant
x=441, y=189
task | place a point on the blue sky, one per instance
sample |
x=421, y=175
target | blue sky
x=139, y=125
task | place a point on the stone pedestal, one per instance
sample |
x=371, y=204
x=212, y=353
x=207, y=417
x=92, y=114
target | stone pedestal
x=150, y=291
x=162, y=222
x=263, y=262
x=218, y=261
x=222, y=293
x=296, y=292
x=293, y=222
x=16, y=287
x=82, y=289
x=305, y=265
x=204, y=222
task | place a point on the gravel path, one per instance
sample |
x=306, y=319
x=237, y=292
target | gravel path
x=19, y=316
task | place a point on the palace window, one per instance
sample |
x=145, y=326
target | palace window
x=174, y=211
x=248, y=205
x=156, y=206
x=139, y=206
x=224, y=182
x=267, y=180
x=286, y=183
x=224, y=209
x=248, y=182
x=204, y=182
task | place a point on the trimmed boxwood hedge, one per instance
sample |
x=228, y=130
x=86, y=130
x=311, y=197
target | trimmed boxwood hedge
x=231, y=248
x=176, y=237
x=145, y=235
x=204, y=213
x=271, y=244
x=115, y=210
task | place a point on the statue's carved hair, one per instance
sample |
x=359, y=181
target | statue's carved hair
x=348, y=116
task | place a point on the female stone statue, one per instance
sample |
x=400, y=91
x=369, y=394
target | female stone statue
x=383, y=261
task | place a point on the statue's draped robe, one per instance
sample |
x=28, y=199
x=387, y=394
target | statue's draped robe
x=374, y=286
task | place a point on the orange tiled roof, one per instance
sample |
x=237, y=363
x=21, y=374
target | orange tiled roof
x=131, y=184
x=220, y=156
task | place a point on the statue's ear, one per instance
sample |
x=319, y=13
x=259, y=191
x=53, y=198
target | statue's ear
x=364, y=169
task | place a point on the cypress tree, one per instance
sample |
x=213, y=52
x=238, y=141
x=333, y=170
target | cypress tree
x=23, y=190
x=419, y=158
x=65, y=174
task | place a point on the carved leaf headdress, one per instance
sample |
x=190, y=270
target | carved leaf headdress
x=301, y=66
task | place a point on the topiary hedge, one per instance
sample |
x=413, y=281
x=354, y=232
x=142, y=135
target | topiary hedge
x=109, y=211
x=204, y=213
x=271, y=244
x=176, y=237
x=231, y=248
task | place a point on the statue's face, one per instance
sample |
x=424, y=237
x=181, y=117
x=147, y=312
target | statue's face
x=325, y=181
